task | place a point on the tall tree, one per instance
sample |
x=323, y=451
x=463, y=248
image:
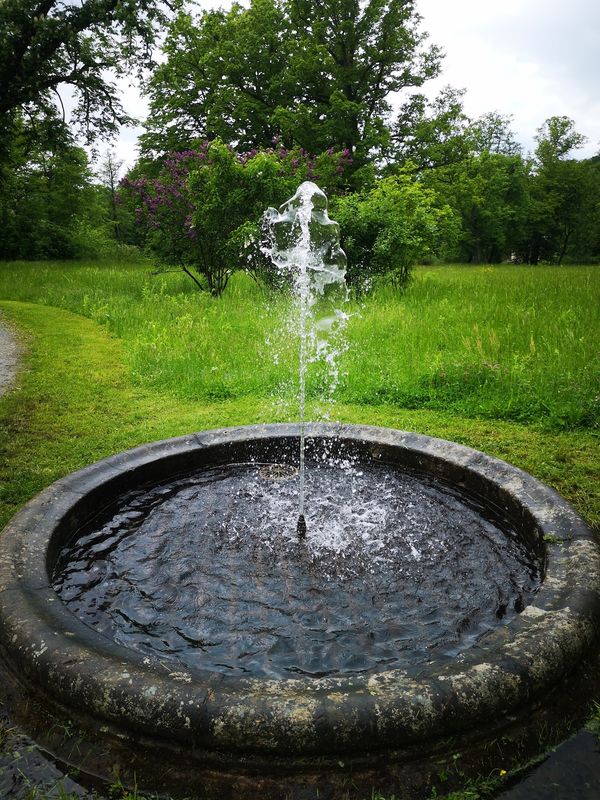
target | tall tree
x=108, y=174
x=437, y=133
x=47, y=195
x=45, y=44
x=492, y=133
x=563, y=194
x=317, y=73
x=557, y=138
x=489, y=193
x=223, y=77
x=431, y=134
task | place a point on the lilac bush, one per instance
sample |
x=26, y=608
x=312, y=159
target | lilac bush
x=202, y=210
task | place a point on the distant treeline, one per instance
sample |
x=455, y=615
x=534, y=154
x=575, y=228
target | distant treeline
x=246, y=104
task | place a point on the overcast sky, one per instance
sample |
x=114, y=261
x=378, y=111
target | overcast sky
x=529, y=58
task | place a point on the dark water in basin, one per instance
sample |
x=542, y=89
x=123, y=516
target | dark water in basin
x=206, y=572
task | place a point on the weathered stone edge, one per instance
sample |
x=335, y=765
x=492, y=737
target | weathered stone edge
x=52, y=649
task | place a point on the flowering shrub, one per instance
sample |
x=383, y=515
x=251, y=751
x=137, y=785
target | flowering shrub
x=163, y=209
x=202, y=211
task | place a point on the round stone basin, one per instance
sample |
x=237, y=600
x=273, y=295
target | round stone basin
x=162, y=599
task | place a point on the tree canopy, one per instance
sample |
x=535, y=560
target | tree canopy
x=564, y=197
x=316, y=74
x=245, y=103
x=45, y=44
x=46, y=197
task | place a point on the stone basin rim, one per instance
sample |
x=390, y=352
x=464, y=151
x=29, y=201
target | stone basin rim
x=53, y=652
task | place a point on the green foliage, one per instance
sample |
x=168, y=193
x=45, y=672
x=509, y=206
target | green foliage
x=92, y=240
x=388, y=229
x=45, y=192
x=231, y=196
x=437, y=134
x=489, y=193
x=563, y=219
x=232, y=193
x=492, y=133
x=475, y=167
x=285, y=77
x=431, y=134
x=46, y=45
x=47, y=198
x=318, y=75
x=534, y=210
x=556, y=138
x=223, y=73
x=118, y=220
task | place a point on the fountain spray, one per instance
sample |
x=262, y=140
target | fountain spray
x=304, y=244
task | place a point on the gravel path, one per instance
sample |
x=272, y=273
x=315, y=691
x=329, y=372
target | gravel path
x=9, y=357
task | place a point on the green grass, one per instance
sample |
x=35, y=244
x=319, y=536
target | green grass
x=75, y=403
x=115, y=357
x=78, y=402
x=518, y=343
x=512, y=343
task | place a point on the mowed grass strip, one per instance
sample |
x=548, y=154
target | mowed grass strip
x=509, y=342
x=76, y=402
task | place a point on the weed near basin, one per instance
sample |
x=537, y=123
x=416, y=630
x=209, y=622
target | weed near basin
x=512, y=343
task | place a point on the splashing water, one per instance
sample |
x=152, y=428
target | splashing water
x=304, y=245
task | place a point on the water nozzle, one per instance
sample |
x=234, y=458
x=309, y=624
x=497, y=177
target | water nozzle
x=301, y=527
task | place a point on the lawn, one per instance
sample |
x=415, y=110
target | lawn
x=503, y=359
x=515, y=343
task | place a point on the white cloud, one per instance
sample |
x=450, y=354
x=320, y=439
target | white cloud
x=529, y=58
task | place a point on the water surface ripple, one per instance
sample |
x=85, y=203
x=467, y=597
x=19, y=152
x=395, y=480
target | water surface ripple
x=207, y=572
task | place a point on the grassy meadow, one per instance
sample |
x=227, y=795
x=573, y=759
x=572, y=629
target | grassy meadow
x=512, y=343
x=504, y=359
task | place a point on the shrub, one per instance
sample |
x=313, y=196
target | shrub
x=391, y=227
x=202, y=212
